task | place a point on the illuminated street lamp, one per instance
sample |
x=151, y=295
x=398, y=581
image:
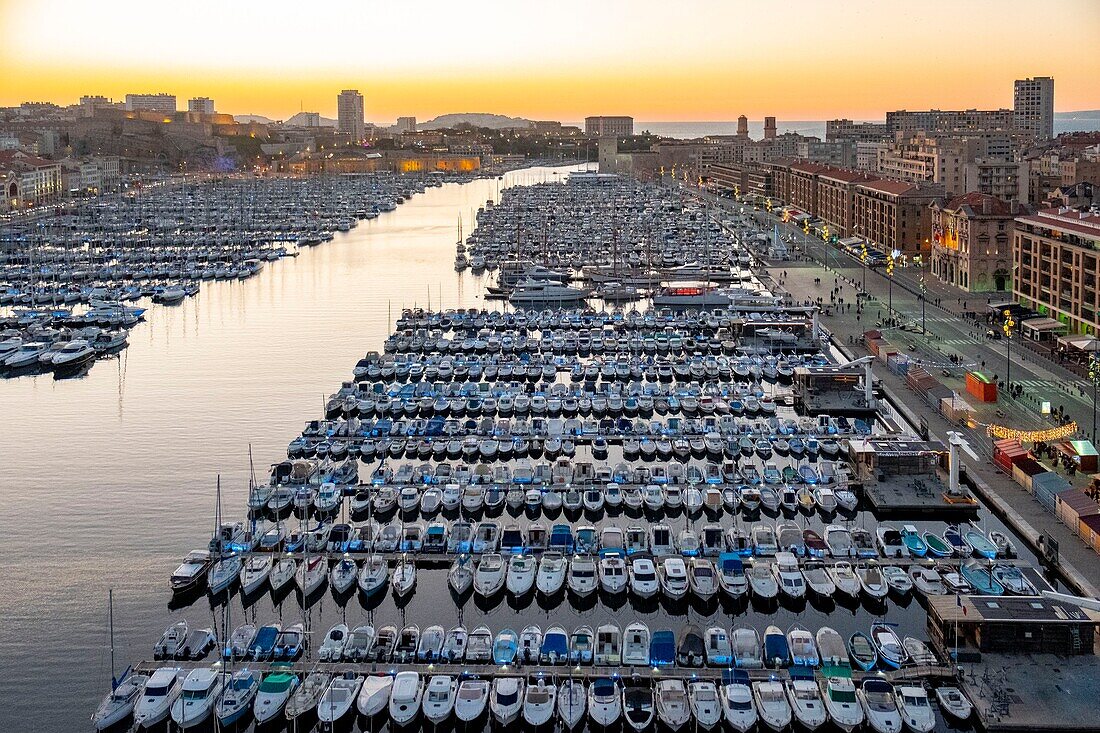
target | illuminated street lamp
x=1007, y=326
x=1094, y=377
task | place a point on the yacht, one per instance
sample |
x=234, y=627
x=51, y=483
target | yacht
x=738, y=708
x=161, y=691
x=439, y=698
x=201, y=691
x=506, y=699
x=879, y=705
x=539, y=702
x=471, y=699
x=839, y=696
x=705, y=705
x=673, y=709
x=804, y=698
x=405, y=697
x=771, y=704
x=272, y=696
x=915, y=708
x=604, y=702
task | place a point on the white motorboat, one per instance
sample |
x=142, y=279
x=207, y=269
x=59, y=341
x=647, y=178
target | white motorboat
x=954, y=703
x=804, y=698
x=607, y=649
x=818, y=579
x=612, y=572
x=747, y=651
x=521, y=575
x=762, y=580
x=788, y=575
x=155, y=701
x=643, y=577
x=830, y=647
x=571, y=703
x=915, y=708
x=374, y=695
x=897, y=579
x=272, y=696
x=73, y=355
x=704, y=702
x=771, y=704
x=845, y=579
x=506, y=699
x=879, y=705
x=672, y=703
x=839, y=696
x=636, y=640
x=539, y=701
x=605, y=705
x=439, y=698
x=738, y=708
x=405, y=697
x=333, y=645
x=171, y=641
x=471, y=699
x=803, y=649
x=673, y=577
x=582, y=578
x=307, y=695
x=702, y=578
x=201, y=691
x=489, y=576
x=119, y=702
x=551, y=573
x=454, y=644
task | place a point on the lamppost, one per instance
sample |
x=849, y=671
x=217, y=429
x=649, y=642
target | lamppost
x=1094, y=377
x=890, y=278
x=1007, y=328
x=923, y=301
x=863, y=254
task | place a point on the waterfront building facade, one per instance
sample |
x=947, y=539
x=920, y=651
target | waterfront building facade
x=1057, y=255
x=972, y=241
x=608, y=126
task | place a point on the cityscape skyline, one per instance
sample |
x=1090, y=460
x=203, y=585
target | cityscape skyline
x=565, y=70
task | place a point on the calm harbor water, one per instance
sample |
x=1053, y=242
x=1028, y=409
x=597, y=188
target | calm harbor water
x=107, y=481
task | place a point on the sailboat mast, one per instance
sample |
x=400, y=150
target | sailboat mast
x=111, y=630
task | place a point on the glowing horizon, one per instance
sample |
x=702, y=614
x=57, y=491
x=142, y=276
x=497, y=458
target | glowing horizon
x=698, y=60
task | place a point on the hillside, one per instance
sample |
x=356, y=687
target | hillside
x=478, y=119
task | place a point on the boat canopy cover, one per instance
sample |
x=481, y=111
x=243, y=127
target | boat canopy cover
x=662, y=648
x=729, y=561
x=555, y=643
x=804, y=673
x=730, y=676
x=837, y=670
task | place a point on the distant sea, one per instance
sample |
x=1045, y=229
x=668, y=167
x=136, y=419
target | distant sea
x=687, y=130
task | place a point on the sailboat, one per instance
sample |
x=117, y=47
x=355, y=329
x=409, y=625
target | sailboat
x=125, y=690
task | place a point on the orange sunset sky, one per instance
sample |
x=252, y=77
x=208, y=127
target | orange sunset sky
x=683, y=60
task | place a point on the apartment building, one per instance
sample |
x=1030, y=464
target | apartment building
x=1057, y=255
x=608, y=126
x=895, y=215
x=349, y=114
x=1033, y=106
